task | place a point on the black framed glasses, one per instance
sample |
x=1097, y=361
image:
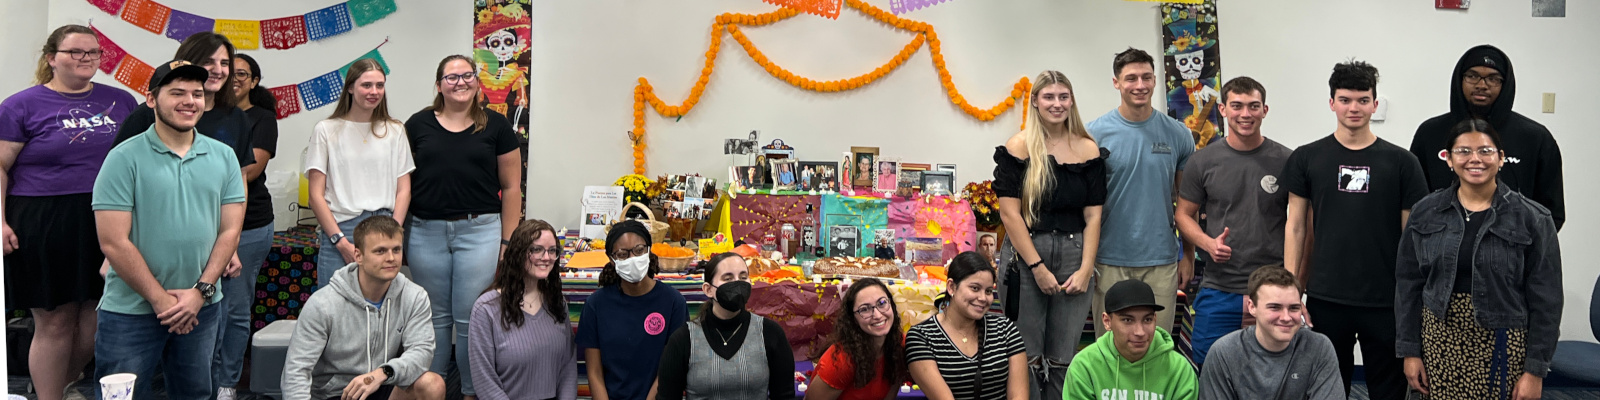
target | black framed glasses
x=535, y=251
x=1472, y=78
x=83, y=54
x=459, y=78
x=242, y=74
x=624, y=254
x=883, y=305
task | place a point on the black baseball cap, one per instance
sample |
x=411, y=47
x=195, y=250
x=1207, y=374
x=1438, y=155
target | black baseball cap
x=1131, y=293
x=172, y=70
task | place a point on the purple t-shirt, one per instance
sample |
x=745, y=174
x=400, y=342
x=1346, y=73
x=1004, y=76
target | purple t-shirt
x=65, y=137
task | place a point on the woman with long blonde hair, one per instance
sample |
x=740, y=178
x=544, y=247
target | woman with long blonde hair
x=1051, y=182
x=357, y=166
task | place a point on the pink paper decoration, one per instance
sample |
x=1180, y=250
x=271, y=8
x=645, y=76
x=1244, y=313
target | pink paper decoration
x=283, y=33
x=288, y=97
x=109, y=6
x=935, y=217
x=110, y=53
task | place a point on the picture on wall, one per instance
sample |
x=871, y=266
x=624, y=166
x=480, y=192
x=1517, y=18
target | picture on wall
x=937, y=183
x=887, y=175
x=843, y=241
x=1192, y=64
x=863, y=161
x=784, y=176
x=819, y=176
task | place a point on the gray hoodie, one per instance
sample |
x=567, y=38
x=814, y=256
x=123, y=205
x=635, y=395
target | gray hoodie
x=398, y=334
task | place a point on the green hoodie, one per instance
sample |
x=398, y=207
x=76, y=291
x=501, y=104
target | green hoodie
x=1100, y=372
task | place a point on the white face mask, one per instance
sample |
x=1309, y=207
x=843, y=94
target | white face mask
x=633, y=269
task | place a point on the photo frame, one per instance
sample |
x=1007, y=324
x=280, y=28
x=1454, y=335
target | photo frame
x=822, y=176
x=937, y=183
x=886, y=174
x=843, y=241
x=748, y=177
x=863, y=164
x=785, y=173
x=946, y=167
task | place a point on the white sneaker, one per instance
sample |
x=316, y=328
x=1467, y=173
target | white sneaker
x=73, y=394
x=225, y=393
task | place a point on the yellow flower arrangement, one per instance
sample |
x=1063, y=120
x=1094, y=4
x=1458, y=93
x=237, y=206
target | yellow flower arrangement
x=985, y=204
x=635, y=188
x=729, y=22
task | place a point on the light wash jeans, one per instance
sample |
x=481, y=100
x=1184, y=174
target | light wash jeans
x=454, y=261
x=328, y=258
x=238, y=297
x=138, y=344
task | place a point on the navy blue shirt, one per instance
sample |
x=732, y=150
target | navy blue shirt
x=630, y=333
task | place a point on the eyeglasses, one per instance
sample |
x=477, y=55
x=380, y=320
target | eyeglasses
x=82, y=54
x=242, y=74
x=461, y=78
x=1485, y=151
x=624, y=254
x=546, y=251
x=1472, y=78
x=883, y=305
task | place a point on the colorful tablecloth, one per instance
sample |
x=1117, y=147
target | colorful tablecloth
x=287, y=277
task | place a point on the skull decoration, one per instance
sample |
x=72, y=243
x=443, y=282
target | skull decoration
x=503, y=43
x=1190, y=64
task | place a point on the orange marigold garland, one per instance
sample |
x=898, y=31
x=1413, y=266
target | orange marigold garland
x=730, y=22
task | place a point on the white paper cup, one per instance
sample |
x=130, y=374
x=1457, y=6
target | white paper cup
x=117, y=386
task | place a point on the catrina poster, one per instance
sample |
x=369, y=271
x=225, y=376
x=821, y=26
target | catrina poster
x=501, y=31
x=1189, y=41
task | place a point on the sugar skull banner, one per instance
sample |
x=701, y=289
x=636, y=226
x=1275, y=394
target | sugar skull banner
x=501, y=33
x=1189, y=42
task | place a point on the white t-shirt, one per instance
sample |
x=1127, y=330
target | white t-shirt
x=362, y=169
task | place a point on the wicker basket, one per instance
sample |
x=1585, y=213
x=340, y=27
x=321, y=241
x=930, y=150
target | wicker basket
x=658, y=230
x=675, y=264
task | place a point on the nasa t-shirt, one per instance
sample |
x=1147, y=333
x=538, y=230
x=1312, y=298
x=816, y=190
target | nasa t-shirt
x=1356, y=197
x=65, y=137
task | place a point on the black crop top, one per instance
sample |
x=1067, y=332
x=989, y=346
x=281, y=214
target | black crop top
x=1077, y=186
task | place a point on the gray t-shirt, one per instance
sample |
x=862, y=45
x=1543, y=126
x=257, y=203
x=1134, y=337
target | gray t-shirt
x=1239, y=368
x=1239, y=190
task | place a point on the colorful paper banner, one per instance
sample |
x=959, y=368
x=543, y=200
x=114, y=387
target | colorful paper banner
x=109, y=6
x=283, y=33
x=135, y=74
x=146, y=14
x=825, y=8
x=288, y=97
x=904, y=6
x=245, y=34
x=328, y=22
x=110, y=53
x=322, y=90
x=181, y=24
x=364, y=12
x=345, y=70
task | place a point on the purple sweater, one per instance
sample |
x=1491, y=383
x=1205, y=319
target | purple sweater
x=535, y=361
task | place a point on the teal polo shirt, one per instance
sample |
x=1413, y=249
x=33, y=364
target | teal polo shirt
x=177, y=209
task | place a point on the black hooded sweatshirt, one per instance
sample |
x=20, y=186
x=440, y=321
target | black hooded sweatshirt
x=1533, y=161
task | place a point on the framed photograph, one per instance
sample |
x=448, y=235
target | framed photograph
x=907, y=183
x=937, y=183
x=784, y=174
x=843, y=241
x=947, y=167
x=819, y=176
x=863, y=161
x=886, y=175
x=748, y=177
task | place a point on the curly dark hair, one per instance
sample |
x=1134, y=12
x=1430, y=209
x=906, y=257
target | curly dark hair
x=511, y=276
x=857, y=346
x=1353, y=75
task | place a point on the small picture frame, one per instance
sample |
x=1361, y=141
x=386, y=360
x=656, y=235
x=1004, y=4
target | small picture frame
x=886, y=174
x=843, y=241
x=937, y=183
x=946, y=167
x=785, y=174
x=822, y=176
x=863, y=161
x=748, y=177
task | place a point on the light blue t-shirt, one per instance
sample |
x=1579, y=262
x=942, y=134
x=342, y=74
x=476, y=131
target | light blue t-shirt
x=176, y=205
x=1136, y=228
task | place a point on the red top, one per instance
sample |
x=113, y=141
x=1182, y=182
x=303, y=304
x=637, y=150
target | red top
x=835, y=369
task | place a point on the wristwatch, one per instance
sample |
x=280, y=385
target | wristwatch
x=206, y=289
x=388, y=372
x=336, y=238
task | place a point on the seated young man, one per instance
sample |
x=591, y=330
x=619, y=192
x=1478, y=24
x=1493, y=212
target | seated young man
x=1135, y=359
x=369, y=333
x=1274, y=359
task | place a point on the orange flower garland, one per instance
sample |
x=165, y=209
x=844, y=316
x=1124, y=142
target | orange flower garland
x=730, y=22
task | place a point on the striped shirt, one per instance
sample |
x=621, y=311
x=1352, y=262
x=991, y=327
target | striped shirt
x=964, y=375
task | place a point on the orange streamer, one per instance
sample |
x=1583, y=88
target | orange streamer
x=643, y=93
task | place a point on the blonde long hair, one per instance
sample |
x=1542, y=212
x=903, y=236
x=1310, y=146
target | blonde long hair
x=1041, y=178
x=380, y=114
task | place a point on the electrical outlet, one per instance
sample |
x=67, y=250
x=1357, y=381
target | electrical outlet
x=1549, y=103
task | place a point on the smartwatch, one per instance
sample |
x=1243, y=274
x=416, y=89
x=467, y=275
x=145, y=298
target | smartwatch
x=336, y=238
x=388, y=371
x=206, y=289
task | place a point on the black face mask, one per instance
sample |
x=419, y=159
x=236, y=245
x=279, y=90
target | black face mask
x=732, y=295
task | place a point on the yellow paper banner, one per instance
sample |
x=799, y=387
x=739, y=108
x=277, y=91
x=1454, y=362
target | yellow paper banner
x=245, y=35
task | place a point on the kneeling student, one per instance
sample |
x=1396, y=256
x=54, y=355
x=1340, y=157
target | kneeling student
x=1274, y=359
x=370, y=334
x=1135, y=359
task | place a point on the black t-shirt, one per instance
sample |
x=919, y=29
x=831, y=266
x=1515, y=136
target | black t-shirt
x=1077, y=186
x=457, y=173
x=264, y=136
x=230, y=126
x=1469, y=247
x=1356, y=197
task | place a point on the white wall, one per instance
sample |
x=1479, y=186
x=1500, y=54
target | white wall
x=588, y=56
x=420, y=33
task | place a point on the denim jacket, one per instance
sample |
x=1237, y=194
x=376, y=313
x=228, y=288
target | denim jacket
x=1516, y=271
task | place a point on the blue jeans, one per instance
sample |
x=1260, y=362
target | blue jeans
x=1216, y=313
x=139, y=343
x=328, y=258
x=454, y=261
x=239, y=295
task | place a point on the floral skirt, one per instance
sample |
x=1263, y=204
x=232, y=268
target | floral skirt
x=1464, y=360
